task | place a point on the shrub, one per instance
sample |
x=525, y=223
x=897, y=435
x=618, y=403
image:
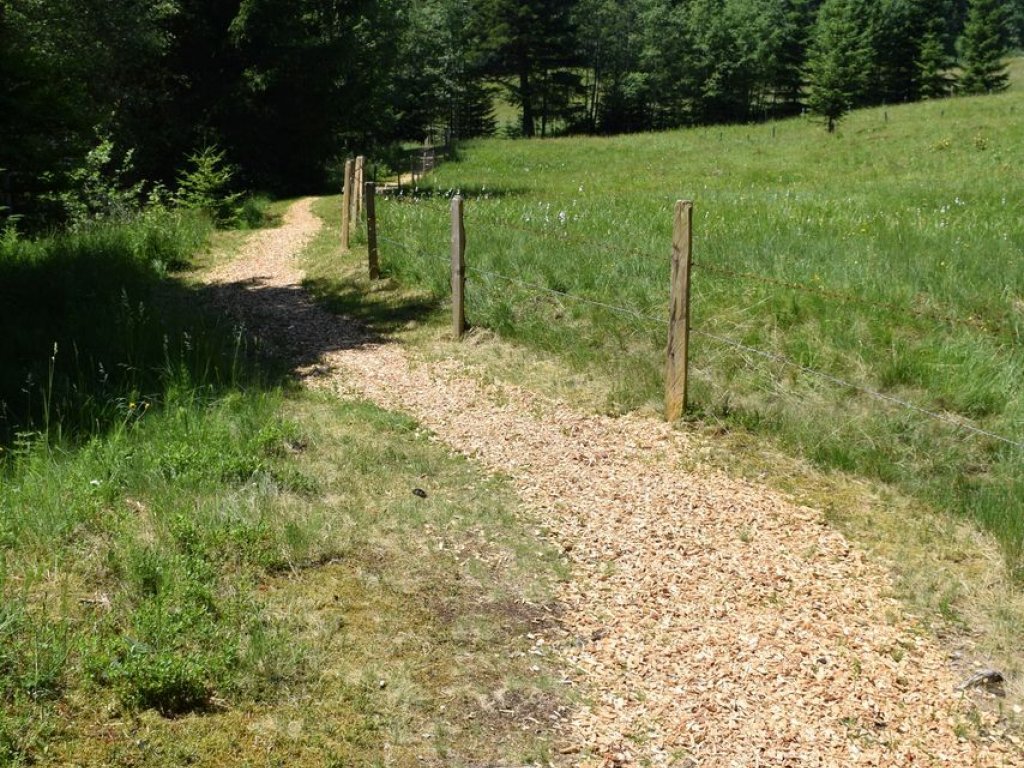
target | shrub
x=96, y=189
x=206, y=185
x=252, y=212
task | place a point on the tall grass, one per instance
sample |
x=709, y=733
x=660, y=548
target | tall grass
x=94, y=329
x=894, y=259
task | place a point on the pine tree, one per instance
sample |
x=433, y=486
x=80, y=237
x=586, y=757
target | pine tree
x=529, y=40
x=895, y=41
x=781, y=54
x=839, y=61
x=934, y=63
x=982, y=48
x=1016, y=13
x=609, y=34
x=669, y=65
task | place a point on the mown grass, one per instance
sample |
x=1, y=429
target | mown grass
x=201, y=564
x=901, y=235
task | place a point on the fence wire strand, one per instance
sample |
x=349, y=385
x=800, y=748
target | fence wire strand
x=783, y=360
x=725, y=341
x=534, y=286
x=847, y=298
x=574, y=297
x=413, y=249
x=566, y=237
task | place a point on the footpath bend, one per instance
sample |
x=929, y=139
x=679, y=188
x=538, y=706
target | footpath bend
x=711, y=622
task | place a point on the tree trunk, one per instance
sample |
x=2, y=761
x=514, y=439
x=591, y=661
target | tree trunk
x=526, y=97
x=545, y=85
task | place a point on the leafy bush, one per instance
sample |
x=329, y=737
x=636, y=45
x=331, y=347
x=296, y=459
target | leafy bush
x=98, y=188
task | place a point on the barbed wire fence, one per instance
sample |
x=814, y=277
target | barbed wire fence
x=677, y=319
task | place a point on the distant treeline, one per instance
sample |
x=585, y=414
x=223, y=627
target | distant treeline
x=116, y=91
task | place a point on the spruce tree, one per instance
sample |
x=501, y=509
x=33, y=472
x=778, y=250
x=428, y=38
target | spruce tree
x=982, y=48
x=528, y=41
x=894, y=45
x=609, y=34
x=783, y=54
x=934, y=63
x=839, y=61
x=669, y=66
x=1016, y=13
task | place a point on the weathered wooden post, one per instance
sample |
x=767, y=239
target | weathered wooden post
x=357, y=201
x=371, y=230
x=346, y=205
x=677, y=365
x=458, y=269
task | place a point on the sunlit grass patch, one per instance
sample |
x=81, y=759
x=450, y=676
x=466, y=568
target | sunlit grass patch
x=225, y=570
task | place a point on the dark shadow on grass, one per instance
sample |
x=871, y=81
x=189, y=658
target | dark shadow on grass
x=469, y=191
x=92, y=335
x=91, y=328
x=289, y=325
x=97, y=325
x=380, y=310
x=92, y=339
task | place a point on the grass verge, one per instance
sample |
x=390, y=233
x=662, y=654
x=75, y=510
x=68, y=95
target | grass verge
x=254, y=579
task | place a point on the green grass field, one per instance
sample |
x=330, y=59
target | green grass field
x=890, y=256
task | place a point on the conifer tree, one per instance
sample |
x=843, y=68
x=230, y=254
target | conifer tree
x=1016, y=13
x=839, y=61
x=783, y=50
x=527, y=41
x=982, y=48
x=609, y=37
x=934, y=63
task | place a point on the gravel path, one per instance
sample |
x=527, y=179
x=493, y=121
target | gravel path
x=713, y=622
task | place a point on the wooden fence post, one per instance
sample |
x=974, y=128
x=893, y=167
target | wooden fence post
x=458, y=269
x=677, y=365
x=371, y=230
x=346, y=205
x=357, y=201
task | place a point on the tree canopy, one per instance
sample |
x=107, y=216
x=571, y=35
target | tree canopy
x=983, y=46
x=286, y=88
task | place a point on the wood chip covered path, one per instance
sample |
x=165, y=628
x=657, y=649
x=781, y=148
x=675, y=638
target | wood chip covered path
x=711, y=621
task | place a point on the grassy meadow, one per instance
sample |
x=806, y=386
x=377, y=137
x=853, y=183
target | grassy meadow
x=890, y=255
